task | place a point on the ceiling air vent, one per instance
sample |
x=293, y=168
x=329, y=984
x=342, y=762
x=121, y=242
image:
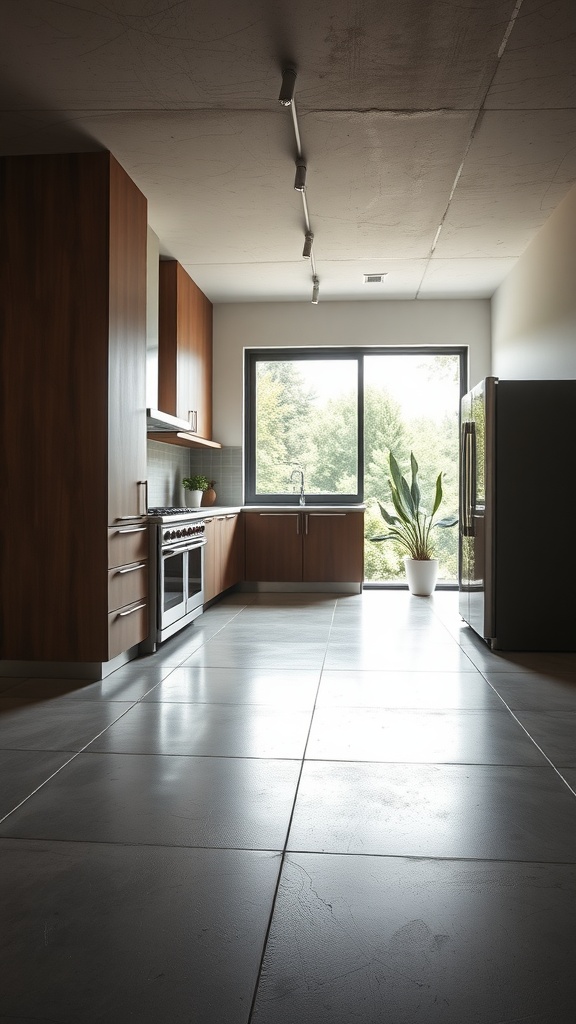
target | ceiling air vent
x=374, y=278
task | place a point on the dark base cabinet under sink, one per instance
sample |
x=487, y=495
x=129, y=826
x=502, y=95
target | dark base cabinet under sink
x=304, y=546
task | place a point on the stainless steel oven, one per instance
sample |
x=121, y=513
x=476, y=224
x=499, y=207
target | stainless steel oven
x=177, y=561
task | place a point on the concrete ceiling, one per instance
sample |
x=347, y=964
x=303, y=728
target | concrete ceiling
x=438, y=137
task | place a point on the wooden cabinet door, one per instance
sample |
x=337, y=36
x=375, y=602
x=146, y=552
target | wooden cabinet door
x=212, y=573
x=273, y=546
x=127, y=348
x=232, y=550
x=333, y=547
x=185, y=349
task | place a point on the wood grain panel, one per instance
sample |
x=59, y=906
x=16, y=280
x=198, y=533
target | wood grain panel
x=59, y=226
x=167, y=336
x=127, y=627
x=127, y=584
x=333, y=547
x=127, y=347
x=185, y=348
x=212, y=571
x=232, y=551
x=273, y=547
x=128, y=543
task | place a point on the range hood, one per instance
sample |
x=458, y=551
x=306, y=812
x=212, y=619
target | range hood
x=161, y=426
x=162, y=422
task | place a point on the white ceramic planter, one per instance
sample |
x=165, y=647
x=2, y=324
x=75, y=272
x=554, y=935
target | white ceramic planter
x=421, y=575
x=194, y=499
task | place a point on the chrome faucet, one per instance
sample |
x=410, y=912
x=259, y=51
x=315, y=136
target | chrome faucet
x=301, y=475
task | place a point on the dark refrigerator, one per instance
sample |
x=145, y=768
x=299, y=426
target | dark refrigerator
x=518, y=514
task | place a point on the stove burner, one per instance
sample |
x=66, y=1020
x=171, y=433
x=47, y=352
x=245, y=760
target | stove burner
x=165, y=511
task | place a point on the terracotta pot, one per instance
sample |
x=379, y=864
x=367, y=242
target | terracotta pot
x=209, y=496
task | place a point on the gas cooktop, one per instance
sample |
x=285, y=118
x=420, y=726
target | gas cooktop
x=164, y=510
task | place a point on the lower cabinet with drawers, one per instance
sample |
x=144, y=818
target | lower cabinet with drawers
x=127, y=586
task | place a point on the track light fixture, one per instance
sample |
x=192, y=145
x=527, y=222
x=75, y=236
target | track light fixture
x=307, y=250
x=300, y=178
x=288, y=84
x=286, y=98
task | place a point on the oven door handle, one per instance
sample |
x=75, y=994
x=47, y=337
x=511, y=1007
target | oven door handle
x=166, y=552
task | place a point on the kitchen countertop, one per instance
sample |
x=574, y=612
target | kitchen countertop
x=206, y=511
x=304, y=508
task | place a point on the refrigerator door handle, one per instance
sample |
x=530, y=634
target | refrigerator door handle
x=467, y=465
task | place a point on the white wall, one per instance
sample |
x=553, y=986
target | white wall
x=534, y=309
x=283, y=324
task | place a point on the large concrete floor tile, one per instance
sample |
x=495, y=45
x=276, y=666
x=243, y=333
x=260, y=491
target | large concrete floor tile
x=554, y=732
x=469, y=811
x=409, y=657
x=22, y=771
x=217, y=730
x=94, y=934
x=560, y=665
x=129, y=683
x=534, y=691
x=204, y=685
x=259, y=654
x=364, y=940
x=54, y=725
x=349, y=688
x=443, y=737
x=282, y=632
x=163, y=800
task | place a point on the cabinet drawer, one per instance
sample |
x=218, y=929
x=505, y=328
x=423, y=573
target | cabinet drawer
x=127, y=627
x=127, y=584
x=126, y=544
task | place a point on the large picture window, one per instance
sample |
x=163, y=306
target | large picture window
x=327, y=419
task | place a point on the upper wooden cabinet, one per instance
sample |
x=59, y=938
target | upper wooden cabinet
x=73, y=401
x=184, y=349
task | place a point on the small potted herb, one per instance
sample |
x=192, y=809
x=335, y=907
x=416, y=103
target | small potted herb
x=195, y=485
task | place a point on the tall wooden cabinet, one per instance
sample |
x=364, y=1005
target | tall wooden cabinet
x=184, y=349
x=72, y=407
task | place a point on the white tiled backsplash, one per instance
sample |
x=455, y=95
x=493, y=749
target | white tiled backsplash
x=168, y=464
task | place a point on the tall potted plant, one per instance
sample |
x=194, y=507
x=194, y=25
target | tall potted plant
x=411, y=526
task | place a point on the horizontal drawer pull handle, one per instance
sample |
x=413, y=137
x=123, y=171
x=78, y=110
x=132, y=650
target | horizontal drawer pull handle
x=131, y=611
x=132, y=529
x=278, y=515
x=131, y=568
x=328, y=515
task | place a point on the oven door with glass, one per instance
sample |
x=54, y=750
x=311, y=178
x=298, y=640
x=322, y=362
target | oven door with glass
x=180, y=585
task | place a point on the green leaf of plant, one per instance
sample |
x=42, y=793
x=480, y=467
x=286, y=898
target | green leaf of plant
x=438, y=497
x=391, y=520
x=447, y=521
x=414, y=488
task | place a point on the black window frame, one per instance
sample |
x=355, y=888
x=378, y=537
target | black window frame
x=357, y=352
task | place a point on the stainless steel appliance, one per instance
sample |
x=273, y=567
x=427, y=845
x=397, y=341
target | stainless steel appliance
x=517, y=506
x=177, y=569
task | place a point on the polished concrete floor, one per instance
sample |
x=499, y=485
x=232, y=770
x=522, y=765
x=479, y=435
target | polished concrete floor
x=302, y=810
